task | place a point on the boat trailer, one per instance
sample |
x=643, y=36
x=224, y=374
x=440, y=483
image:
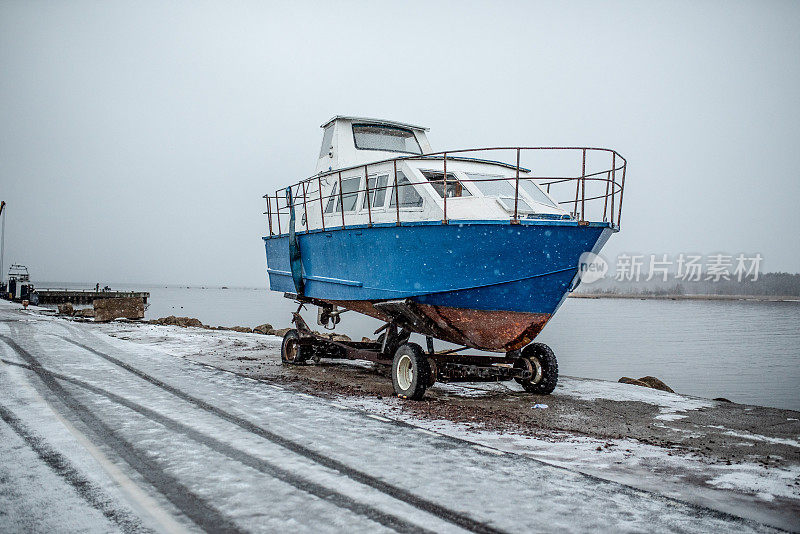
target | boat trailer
x=412, y=369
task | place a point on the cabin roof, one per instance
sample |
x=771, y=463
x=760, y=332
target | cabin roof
x=375, y=121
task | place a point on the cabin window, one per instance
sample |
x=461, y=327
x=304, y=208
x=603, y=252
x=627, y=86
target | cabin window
x=330, y=206
x=454, y=187
x=327, y=142
x=349, y=196
x=409, y=198
x=389, y=138
x=377, y=192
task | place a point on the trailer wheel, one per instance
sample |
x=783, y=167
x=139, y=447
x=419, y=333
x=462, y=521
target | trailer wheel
x=541, y=361
x=291, y=351
x=410, y=371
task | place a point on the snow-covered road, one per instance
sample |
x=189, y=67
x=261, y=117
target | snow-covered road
x=106, y=435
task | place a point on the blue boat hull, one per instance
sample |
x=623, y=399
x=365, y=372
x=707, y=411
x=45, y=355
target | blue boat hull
x=485, y=284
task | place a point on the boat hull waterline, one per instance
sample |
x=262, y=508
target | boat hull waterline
x=489, y=285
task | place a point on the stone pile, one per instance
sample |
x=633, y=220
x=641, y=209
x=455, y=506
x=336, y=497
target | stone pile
x=178, y=321
x=184, y=322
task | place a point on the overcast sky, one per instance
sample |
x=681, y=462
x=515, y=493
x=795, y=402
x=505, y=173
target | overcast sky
x=136, y=138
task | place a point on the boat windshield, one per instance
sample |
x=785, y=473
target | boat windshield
x=500, y=187
x=537, y=194
x=389, y=138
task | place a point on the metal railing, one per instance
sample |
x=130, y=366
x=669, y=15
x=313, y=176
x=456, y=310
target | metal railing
x=601, y=168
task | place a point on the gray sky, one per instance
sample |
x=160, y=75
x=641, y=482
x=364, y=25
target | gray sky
x=136, y=139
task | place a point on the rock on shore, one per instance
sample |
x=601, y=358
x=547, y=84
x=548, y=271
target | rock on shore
x=647, y=382
x=265, y=329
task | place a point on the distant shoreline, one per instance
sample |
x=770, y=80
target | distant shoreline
x=757, y=298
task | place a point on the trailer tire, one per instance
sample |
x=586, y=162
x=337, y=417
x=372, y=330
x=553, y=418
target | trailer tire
x=292, y=353
x=541, y=361
x=410, y=371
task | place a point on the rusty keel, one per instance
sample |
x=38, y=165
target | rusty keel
x=491, y=330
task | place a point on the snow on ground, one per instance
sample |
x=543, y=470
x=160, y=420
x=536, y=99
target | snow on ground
x=489, y=483
x=759, y=437
x=76, y=479
x=669, y=404
x=750, y=478
x=622, y=460
x=192, y=342
x=627, y=461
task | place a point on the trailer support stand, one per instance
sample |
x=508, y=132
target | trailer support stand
x=429, y=341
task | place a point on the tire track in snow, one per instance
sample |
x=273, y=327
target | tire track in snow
x=61, y=466
x=313, y=488
x=194, y=507
x=387, y=488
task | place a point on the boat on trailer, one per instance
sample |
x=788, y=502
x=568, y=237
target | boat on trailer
x=476, y=247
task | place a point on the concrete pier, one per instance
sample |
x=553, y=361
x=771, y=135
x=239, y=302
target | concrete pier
x=85, y=296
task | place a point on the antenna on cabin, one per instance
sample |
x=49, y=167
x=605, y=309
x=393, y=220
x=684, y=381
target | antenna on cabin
x=2, y=238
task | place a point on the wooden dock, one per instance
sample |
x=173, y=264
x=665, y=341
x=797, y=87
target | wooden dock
x=85, y=296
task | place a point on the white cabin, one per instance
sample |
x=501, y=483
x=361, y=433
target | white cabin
x=475, y=189
x=350, y=141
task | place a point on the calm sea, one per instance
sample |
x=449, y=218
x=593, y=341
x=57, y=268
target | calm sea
x=748, y=352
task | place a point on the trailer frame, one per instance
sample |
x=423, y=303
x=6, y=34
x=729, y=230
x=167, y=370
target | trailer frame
x=446, y=366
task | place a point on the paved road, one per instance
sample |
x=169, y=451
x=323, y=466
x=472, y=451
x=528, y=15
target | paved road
x=99, y=435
